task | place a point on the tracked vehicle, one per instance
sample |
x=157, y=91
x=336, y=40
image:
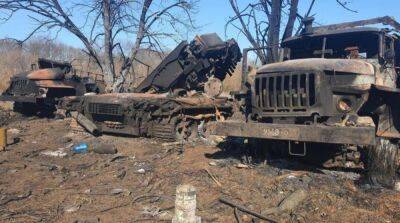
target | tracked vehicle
x=174, y=101
x=37, y=91
x=335, y=98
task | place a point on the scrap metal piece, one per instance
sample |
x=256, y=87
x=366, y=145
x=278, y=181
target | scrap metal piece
x=190, y=65
x=86, y=123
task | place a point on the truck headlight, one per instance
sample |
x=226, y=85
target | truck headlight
x=344, y=105
x=43, y=91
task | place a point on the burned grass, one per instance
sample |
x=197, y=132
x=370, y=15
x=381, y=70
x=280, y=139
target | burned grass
x=138, y=183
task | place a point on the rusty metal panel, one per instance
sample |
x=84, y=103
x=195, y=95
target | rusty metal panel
x=46, y=74
x=53, y=84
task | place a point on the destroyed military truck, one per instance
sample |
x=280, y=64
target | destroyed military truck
x=335, y=98
x=174, y=101
x=37, y=91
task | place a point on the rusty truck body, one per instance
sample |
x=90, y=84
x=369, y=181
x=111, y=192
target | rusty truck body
x=338, y=85
x=37, y=91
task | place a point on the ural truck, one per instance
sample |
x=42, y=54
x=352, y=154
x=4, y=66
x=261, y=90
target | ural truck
x=36, y=92
x=174, y=101
x=334, y=98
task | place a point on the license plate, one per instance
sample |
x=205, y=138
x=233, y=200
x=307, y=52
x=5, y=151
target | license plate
x=281, y=132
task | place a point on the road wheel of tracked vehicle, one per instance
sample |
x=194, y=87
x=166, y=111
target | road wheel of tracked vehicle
x=27, y=109
x=382, y=162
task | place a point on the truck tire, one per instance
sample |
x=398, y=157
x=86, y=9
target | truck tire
x=382, y=162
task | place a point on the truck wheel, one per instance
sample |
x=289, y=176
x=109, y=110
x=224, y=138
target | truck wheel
x=382, y=162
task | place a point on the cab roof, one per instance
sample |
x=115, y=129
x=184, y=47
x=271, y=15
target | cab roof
x=317, y=32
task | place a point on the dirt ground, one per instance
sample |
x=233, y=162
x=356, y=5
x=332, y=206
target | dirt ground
x=138, y=183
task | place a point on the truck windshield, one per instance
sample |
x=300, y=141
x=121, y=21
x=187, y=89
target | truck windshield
x=349, y=45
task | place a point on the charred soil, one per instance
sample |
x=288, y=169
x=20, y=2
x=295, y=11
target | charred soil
x=41, y=180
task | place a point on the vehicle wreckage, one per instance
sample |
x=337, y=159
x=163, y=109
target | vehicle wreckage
x=335, y=98
x=37, y=91
x=174, y=102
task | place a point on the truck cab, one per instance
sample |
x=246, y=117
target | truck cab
x=326, y=75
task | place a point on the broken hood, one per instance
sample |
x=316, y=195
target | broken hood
x=320, y=64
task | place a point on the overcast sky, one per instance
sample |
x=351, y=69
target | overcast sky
x=213, y=14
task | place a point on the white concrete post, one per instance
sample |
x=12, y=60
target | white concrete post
x=185, y=205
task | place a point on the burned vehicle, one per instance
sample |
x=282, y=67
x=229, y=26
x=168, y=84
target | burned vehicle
x=174, y=101
x=196, y=66
x=335, y=98
x=150, y=115
x=37, y=91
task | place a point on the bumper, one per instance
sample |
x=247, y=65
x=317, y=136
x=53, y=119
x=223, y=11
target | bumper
x=303, y=133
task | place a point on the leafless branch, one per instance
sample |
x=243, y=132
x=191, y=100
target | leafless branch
x=104, y=22
x=344, y=5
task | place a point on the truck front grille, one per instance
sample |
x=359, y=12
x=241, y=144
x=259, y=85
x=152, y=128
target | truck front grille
x=19, y=84
x=105, y=109
x=285, y=92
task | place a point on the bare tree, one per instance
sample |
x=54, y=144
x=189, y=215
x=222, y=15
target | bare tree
x=175, y=15
x=261, y=22
x=105, y=22
x=48, y=14
x=107, y=14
